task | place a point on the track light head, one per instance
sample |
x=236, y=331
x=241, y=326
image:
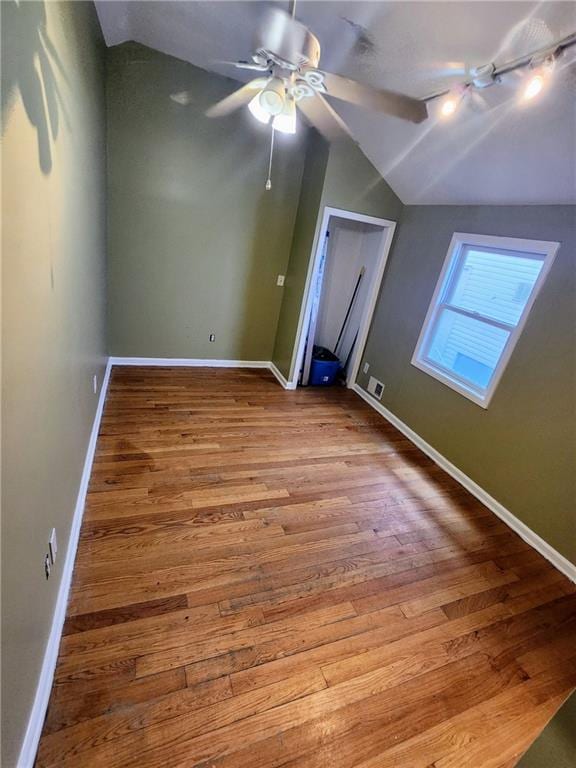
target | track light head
x=540, y=70
x=449, y=106
x=533, y=88
x=452, y=101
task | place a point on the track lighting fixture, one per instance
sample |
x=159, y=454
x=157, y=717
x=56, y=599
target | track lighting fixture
x=533, y=88
x=449, y=106
x=541, y=68
x=540, y=65
x=483, y=77
x=452, y=101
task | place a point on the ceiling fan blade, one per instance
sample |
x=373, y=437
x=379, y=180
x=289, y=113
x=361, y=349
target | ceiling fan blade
x=324, y=118
x=390, y=102
x=236, y=99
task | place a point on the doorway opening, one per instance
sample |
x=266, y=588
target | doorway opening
x=342, y=288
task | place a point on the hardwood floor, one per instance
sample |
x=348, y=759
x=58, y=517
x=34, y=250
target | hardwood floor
x=270, y=578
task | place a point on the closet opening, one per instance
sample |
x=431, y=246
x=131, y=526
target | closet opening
x=344, y=283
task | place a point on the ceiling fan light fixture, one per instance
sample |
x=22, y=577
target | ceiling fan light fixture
x=285, y=122
x=273, y=96
x=257, y=111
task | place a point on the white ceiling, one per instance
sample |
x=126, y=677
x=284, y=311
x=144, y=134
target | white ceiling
x=495, y=150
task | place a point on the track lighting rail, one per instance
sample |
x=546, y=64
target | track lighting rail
x=533, y=59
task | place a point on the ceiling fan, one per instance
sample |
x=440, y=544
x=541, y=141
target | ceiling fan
x=287, y=55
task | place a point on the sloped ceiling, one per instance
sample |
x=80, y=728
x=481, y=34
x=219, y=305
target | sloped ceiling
x=495, y=150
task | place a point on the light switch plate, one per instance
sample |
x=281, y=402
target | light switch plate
x=280, y=280
x=366, y=367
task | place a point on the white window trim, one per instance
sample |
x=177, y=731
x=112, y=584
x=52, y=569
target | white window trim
x=459, y=240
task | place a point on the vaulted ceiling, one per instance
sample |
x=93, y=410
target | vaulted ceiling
x=495, y=150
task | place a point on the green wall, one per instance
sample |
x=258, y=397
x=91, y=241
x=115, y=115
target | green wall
x=353, y=184
x=53, y=314
x=521, y=449
x=348, y=181
x=195, y=243
x=300, y=253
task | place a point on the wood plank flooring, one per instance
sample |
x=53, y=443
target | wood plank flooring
x=270, y=578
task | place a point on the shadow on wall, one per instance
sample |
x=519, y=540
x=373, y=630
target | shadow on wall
x=28, y=61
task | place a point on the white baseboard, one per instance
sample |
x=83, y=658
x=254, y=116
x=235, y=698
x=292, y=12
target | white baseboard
x=553, y=556
x=189, y=362
x=281, y=378
x=40, y=705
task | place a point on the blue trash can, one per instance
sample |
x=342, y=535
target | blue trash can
x=324, y=368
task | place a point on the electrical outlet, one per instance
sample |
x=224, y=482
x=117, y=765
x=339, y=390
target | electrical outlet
x=95, y=383
x=280, y=280
x=212, y=337
x=53, y=546
x=47, y=566
x=366, y=367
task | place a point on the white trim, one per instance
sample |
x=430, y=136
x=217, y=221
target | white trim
x=307, y=298
x=192, y=362
x=552, y=555
x=44, y=687
x=305, y=309
x=281, y=378
x=189, y=362
x=460, y=240
x=371, y=299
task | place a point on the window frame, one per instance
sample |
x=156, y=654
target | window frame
x=451, y=267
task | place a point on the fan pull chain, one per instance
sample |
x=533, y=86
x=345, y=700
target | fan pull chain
x=269, y=180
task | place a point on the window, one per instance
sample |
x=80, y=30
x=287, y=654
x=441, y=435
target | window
x=481, y=302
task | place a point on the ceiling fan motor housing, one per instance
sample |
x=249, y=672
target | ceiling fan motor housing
x=286, y=41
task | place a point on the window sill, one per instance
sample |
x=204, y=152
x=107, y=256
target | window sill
x=457, y=386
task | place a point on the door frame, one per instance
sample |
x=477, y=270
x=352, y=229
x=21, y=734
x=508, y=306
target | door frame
x=388, y=227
